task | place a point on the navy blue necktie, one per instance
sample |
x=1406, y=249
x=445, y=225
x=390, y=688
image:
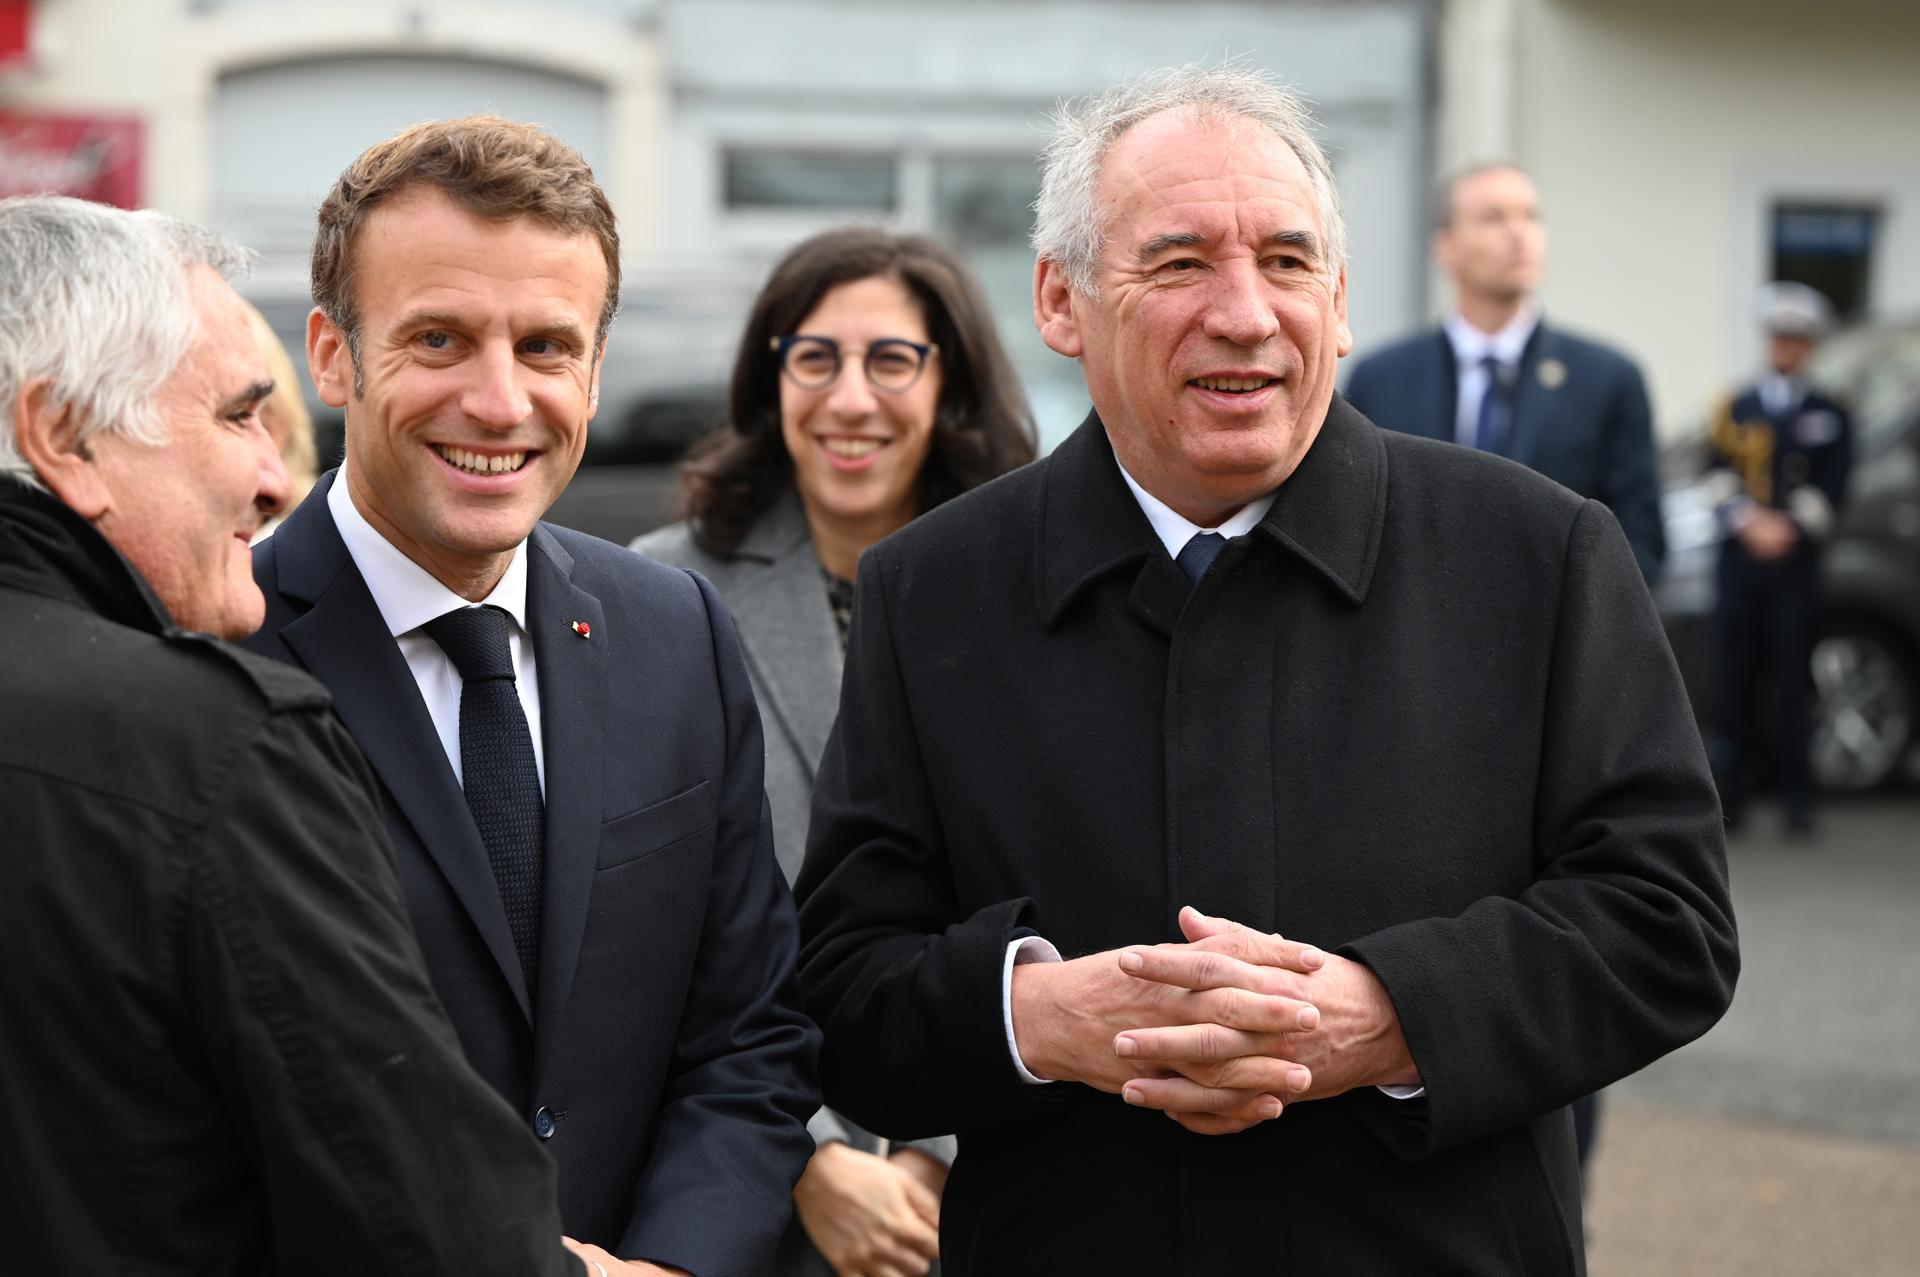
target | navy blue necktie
x=497, y=768
x=1490, y=428
x=1198, y=554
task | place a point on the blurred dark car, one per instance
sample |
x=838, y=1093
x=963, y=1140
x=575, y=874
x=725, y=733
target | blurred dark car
x=1866, y=662
x=629, y=481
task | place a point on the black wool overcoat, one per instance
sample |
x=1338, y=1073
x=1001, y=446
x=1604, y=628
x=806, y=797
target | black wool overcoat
x=1423, y=716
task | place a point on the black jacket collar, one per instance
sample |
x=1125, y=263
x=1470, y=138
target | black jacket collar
x=1328, y=513
x=47, y=549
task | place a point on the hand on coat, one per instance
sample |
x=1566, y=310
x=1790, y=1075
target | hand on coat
x=930, y=1171
x=1358, y=1041
x=868, y=1216
x=597, y=1259
x=1067, y=1017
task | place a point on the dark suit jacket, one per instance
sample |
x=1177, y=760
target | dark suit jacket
x=1580, y=417
x=773, y=587
x=1423, y=716
x=668, y=1048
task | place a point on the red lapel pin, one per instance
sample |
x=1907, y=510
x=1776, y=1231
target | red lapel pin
x=583, y=629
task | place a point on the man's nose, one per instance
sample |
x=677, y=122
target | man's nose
x=275, y=488
x=494, y=397
x=1241, y=307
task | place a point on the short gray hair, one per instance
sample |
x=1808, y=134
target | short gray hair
x=95, y=300
x=1070, y=226
x=1440, y=211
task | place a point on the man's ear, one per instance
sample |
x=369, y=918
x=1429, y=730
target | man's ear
x=329, y=360
x=1053, y=315
x=47, y=433
x=1343, y=335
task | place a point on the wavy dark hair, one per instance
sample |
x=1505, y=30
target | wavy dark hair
x=982, y=426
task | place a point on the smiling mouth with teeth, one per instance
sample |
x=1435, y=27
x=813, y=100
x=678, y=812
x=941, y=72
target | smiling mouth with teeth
x=853, y=448
x=480, y=462
x=1233, y=385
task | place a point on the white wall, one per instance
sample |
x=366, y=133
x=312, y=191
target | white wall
x=1661, y=133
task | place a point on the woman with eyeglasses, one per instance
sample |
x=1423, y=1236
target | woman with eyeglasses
x=869, y=387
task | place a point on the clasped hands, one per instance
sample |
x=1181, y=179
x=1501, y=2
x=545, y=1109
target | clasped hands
x=1220, y=1033
x=1768, y=535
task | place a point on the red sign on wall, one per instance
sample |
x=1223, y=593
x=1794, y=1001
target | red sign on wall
x=16, y=31
x=94, y=157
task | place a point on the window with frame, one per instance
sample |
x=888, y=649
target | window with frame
x=779, y=178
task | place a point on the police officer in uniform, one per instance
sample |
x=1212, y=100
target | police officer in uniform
x=1779, y=457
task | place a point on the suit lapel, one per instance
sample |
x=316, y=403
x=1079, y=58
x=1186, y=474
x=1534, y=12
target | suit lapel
x=779, y=602
x=1441, y=405
x=343, y=641
x=1533, y=398
x=573, y=677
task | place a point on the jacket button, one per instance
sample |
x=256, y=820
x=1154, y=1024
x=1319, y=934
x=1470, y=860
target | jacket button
x=543, y=1123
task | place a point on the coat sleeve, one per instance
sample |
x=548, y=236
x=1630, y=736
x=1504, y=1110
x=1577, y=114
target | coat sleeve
x=378, y=1148
x=732, y=1137
x=1630, y=472
x=1623, y=947
x=906, y=988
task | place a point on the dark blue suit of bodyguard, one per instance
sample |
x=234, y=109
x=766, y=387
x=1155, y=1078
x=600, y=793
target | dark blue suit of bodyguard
x=1579, y=415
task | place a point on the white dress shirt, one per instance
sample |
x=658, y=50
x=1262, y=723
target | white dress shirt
x=409, y=596
x=1779, y=394
x=1471, y=347
x=1174, y=530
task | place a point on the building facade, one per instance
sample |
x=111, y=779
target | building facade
x=1686, y=153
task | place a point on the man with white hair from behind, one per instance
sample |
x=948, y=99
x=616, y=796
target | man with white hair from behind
x=222, y=1053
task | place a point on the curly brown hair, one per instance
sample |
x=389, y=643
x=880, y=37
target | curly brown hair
x=982, y=426
x=493, y=168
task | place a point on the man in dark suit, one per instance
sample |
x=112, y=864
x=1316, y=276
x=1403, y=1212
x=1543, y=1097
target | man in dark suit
x=571, y=771
x=1780, y=454
x=1233, y=664
x=1496, y=377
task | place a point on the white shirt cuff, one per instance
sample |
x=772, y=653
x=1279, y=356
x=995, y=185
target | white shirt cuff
x=1402, y=1092
x=1812, y=511
x=1025, y=949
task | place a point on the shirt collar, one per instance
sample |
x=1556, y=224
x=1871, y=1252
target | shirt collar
x=407, y=595
x=1470, y=345
x=1779, y=392
x=1175, y=529
x=1329, y=514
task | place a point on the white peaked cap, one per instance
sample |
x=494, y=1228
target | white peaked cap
x=1794, y=310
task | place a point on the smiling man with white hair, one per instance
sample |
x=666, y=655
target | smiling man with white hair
x=1348, y=771
x=222, y=1054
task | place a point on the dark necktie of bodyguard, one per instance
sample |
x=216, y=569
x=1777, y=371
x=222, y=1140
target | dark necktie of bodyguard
x=1496, y=408
x=497, y=768
x=1198, y=554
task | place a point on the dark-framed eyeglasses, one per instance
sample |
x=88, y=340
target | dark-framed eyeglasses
x=892, y=364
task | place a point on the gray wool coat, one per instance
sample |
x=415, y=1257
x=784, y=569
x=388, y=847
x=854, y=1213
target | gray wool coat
x=773, y=587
